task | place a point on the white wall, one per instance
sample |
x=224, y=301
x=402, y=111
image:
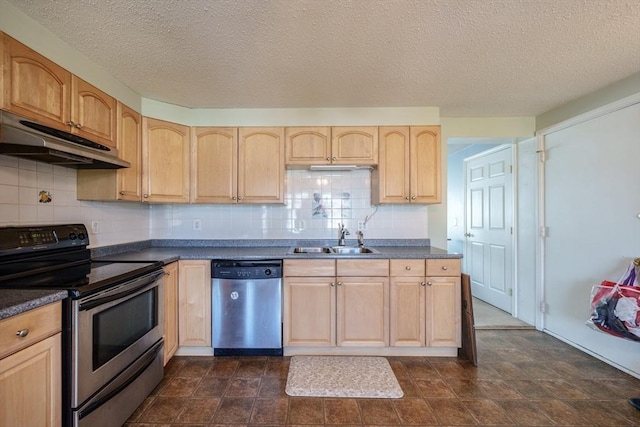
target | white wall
x=591, y=203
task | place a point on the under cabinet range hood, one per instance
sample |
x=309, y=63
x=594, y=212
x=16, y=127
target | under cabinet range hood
x=23, y=138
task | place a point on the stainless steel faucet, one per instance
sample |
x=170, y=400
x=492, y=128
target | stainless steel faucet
x=360, y=236
x=342, y=231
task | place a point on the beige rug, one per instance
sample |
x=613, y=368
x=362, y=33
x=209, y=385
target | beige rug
x=342, y=376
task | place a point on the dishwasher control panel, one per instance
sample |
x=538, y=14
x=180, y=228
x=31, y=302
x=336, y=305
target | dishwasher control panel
x=246, y=270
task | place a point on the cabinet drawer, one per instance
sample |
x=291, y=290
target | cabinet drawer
x=443, y=267
x=41, y=322
x=309, y=267
x=408, y=267
x=363, y=267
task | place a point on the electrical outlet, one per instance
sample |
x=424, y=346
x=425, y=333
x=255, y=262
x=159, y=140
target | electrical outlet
x=362, y=226
x=95, y=227
x=197, y=224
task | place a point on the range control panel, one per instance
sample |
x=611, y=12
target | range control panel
x=38, y=238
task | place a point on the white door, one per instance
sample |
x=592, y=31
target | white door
x=488, y=251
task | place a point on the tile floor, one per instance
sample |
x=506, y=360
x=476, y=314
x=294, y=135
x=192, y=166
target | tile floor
x=524, y=377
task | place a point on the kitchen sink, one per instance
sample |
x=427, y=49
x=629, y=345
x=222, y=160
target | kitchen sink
x=312, y=250
x=335, y=250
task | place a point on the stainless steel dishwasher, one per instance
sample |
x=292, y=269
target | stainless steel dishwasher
x=246, y=307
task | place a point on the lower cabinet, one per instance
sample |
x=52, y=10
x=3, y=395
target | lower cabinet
x=326, y=304
x=194, y=303
x=170, y=311
x=30, y=368
x=425, y=303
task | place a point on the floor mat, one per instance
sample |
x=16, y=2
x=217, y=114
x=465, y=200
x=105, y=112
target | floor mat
x=342, y=376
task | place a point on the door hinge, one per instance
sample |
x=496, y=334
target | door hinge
x=511, y=230
x=510, y=168
x=543, y=307
x=510, y=292
x=544, y=231
x=542, y=156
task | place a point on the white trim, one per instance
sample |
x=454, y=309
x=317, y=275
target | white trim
x=194, y=351
x=489, y=151
x=589, y=115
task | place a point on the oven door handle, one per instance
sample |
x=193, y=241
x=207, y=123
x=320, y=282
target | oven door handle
x=146, y=281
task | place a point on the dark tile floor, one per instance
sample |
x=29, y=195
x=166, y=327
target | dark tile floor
x=524, y=377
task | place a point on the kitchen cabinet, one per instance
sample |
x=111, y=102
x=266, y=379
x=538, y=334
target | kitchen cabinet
x=194, y=303
x=231, y=165
x=30, y=368
x=170, y=310
x=425, y=303
x=354, y=145
x=165, y=162
x=409, y=166
x=329, y=303
x=118, y=184
x=38, y=89
x=261, y=173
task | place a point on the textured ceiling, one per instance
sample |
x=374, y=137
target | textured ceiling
x=468, y=57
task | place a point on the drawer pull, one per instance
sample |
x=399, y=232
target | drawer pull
x=22, y=333
x=444, y=267
x=408, y=267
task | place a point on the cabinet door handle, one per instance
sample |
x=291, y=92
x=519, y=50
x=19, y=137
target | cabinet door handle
x=146, y=196
x=22, y=333
x=429, y=283
x=339, y=283
x=406, y=198
x=122, y=193
x=233, y=198
x=70, y=123
x=332, y=284
x=239, y=198
x=333, y=159
x=78, y=126
x=328, y=159
x=413, y=197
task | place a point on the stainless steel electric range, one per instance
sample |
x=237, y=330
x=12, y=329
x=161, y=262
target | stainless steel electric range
x=112, y=319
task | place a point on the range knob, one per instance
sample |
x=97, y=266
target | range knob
x=73, y=236
x=82, y=236
x=267, y=272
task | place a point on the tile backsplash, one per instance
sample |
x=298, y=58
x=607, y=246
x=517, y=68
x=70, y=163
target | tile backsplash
x=316, y=202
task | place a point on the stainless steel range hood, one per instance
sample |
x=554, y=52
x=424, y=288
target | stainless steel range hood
x=20, y=137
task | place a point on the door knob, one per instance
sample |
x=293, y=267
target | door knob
x=468, y=235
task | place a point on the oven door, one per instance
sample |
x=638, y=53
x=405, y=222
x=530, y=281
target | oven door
x=112, y=329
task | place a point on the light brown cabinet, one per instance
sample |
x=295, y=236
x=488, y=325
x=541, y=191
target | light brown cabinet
x=425, y=303
x=165, y=162
x=231, y=165
x=118, y=184
x=38, y=89
x=327, y=303
x=30, y=368
x=409, y=166
x=170, y=310
x=194, y=303
x=354, y=145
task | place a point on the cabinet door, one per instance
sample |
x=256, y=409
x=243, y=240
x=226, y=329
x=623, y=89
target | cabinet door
x=444, y=312
x=407, y=311
x=93, y=113
x=34, y=87
x=354, y=145
x=170, y=311
x=214, y=160
x=309, y=312
x=129, y=144
x=261, y=165
x=425, y=165
x=390, y=181
x=165, y=162
x=362, y=311
x=308, y=146
x=194, y=307
x=31, y=385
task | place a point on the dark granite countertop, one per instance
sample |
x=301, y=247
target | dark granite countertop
x=13, y=302
x=249, y=250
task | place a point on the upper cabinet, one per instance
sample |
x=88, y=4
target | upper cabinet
x=165, y=162
x=409, y=166
x=118, y=184
x=231, y=165
x=261, y=165
x=356, y=145
x=38, y=89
